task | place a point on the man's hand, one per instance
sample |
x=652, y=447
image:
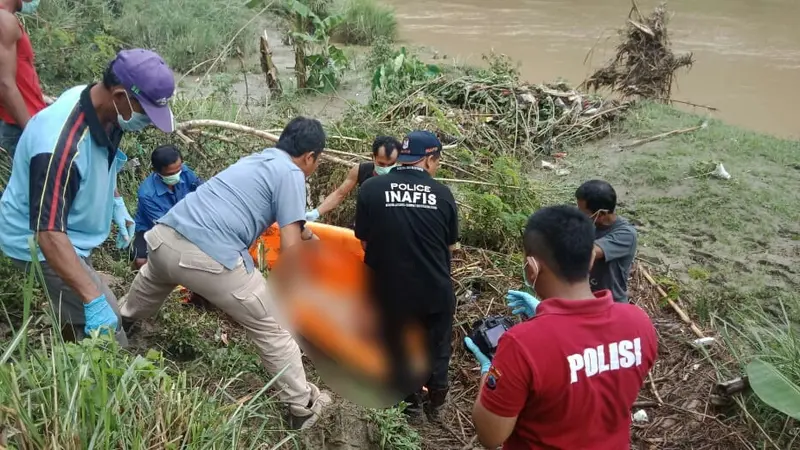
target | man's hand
x=522, y=303
x=312, y=216
x=483, y=360
x=48, y=100
x=124, y=221
x=100, y=316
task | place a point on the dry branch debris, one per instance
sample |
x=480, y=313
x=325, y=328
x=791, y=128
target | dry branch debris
x=644, y=65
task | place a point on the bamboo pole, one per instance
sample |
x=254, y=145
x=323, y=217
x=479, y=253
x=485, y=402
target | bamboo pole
x=681, y=313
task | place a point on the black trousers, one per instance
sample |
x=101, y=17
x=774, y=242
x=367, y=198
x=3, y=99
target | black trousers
x=438, y=327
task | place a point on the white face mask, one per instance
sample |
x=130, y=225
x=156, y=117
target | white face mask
x=529, y=285
x=383, y=170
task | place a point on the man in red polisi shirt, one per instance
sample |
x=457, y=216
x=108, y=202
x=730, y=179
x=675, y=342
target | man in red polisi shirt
x=568, y=377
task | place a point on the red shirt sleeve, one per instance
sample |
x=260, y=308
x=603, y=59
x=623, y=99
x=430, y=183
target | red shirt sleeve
x=509, y=382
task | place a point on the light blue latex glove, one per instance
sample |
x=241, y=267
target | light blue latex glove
x=99, y=315
x=125, y=226
x=522, y=303
x=483, y=360
x=312, y=216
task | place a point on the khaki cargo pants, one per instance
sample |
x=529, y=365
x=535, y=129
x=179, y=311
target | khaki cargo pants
x=173, y=260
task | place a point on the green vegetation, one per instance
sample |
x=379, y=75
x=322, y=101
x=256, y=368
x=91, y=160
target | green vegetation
x=729, y=248
x=93, y=395
x=365, y=21
x=730, y=243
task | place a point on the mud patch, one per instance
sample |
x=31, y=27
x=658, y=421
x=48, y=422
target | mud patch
x=344, y=426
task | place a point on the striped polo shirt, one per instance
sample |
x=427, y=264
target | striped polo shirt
x=63, y=178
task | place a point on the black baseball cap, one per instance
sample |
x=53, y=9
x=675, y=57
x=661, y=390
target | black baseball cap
x=417, y=145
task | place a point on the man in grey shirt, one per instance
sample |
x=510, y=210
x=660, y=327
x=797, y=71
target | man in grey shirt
x=202, y=243
x=615, y=239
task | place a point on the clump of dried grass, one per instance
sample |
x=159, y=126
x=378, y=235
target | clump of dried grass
x=644, y=65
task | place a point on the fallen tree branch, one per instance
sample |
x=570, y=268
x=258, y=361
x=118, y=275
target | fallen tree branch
x=190, y=124
x=663, y=135
x=672, y=100
x=681, y=313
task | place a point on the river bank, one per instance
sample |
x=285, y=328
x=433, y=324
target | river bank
x=725, y=248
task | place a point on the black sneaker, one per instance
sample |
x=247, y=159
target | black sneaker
x=130, y=326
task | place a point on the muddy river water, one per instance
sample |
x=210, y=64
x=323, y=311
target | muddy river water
x=747, y=51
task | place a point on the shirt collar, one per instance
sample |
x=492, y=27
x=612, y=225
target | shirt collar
x=96, y=129
x=411, y=170
x=602, y=301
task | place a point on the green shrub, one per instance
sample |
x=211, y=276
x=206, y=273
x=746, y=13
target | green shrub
x=189, y=34
x=365, y=21
x=92, y=395
x=72, y=41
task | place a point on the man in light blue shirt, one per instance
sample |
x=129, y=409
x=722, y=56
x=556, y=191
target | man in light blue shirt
x=202, y=243
x=62, y=191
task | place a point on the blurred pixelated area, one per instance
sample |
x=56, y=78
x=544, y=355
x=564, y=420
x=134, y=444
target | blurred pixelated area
x=322, y=295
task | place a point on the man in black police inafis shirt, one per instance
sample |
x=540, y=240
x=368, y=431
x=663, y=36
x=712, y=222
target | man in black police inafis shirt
x=408, y=223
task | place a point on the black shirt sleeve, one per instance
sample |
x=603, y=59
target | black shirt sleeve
x=452, y=227
x=362, y=215
x=54, y=183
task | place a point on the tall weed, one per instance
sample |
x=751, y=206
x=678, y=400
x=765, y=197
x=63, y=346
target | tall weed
x=364, y=21
x=72, y=41
x=189, y=34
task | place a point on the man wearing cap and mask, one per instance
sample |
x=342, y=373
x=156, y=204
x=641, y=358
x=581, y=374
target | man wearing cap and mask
x=615, y=239
x=20, y=92
x=408, y=225
x=62, y=193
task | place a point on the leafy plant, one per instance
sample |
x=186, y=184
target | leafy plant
x=773, y=388
x=322, y=63
x=401, y=72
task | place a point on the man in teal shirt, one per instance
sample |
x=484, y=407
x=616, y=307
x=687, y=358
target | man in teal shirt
x=62, y=191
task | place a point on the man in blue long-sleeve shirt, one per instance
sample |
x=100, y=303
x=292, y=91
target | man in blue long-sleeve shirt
x=169, y=183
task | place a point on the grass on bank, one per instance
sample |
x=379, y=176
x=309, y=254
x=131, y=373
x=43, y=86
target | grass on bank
x=733, y=245
x=95, y=395
x=365, y=21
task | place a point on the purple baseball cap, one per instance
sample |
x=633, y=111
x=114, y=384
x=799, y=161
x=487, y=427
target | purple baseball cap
x=145, y=75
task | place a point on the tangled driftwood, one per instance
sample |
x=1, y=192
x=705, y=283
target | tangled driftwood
x=644, y=65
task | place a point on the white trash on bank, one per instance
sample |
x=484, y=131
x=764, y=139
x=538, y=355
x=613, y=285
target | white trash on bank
x=720, y=172
x=640, y=416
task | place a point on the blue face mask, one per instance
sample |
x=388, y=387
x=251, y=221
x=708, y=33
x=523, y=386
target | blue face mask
x=29, y=7
x=136, y=123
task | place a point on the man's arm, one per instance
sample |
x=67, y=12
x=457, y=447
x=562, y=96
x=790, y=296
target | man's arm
x=502, y=397
x=289, y=200
x=335, y=198
x=617, y=244
x=149, y=211
x=54, y=183
x=10, y=96
x=363, y=222
x=452, y=241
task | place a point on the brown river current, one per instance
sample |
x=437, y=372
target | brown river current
x=747, y=51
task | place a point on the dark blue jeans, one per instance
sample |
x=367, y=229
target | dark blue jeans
x=9, y=136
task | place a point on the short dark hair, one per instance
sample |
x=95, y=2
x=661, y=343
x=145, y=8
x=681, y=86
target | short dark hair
x=163, y=156
x=597, y=194
x=110, y=79
x=563, y=237
x=302, y=135
x=390, y=145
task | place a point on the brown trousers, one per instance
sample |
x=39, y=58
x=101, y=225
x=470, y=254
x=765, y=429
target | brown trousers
x=173, y=260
